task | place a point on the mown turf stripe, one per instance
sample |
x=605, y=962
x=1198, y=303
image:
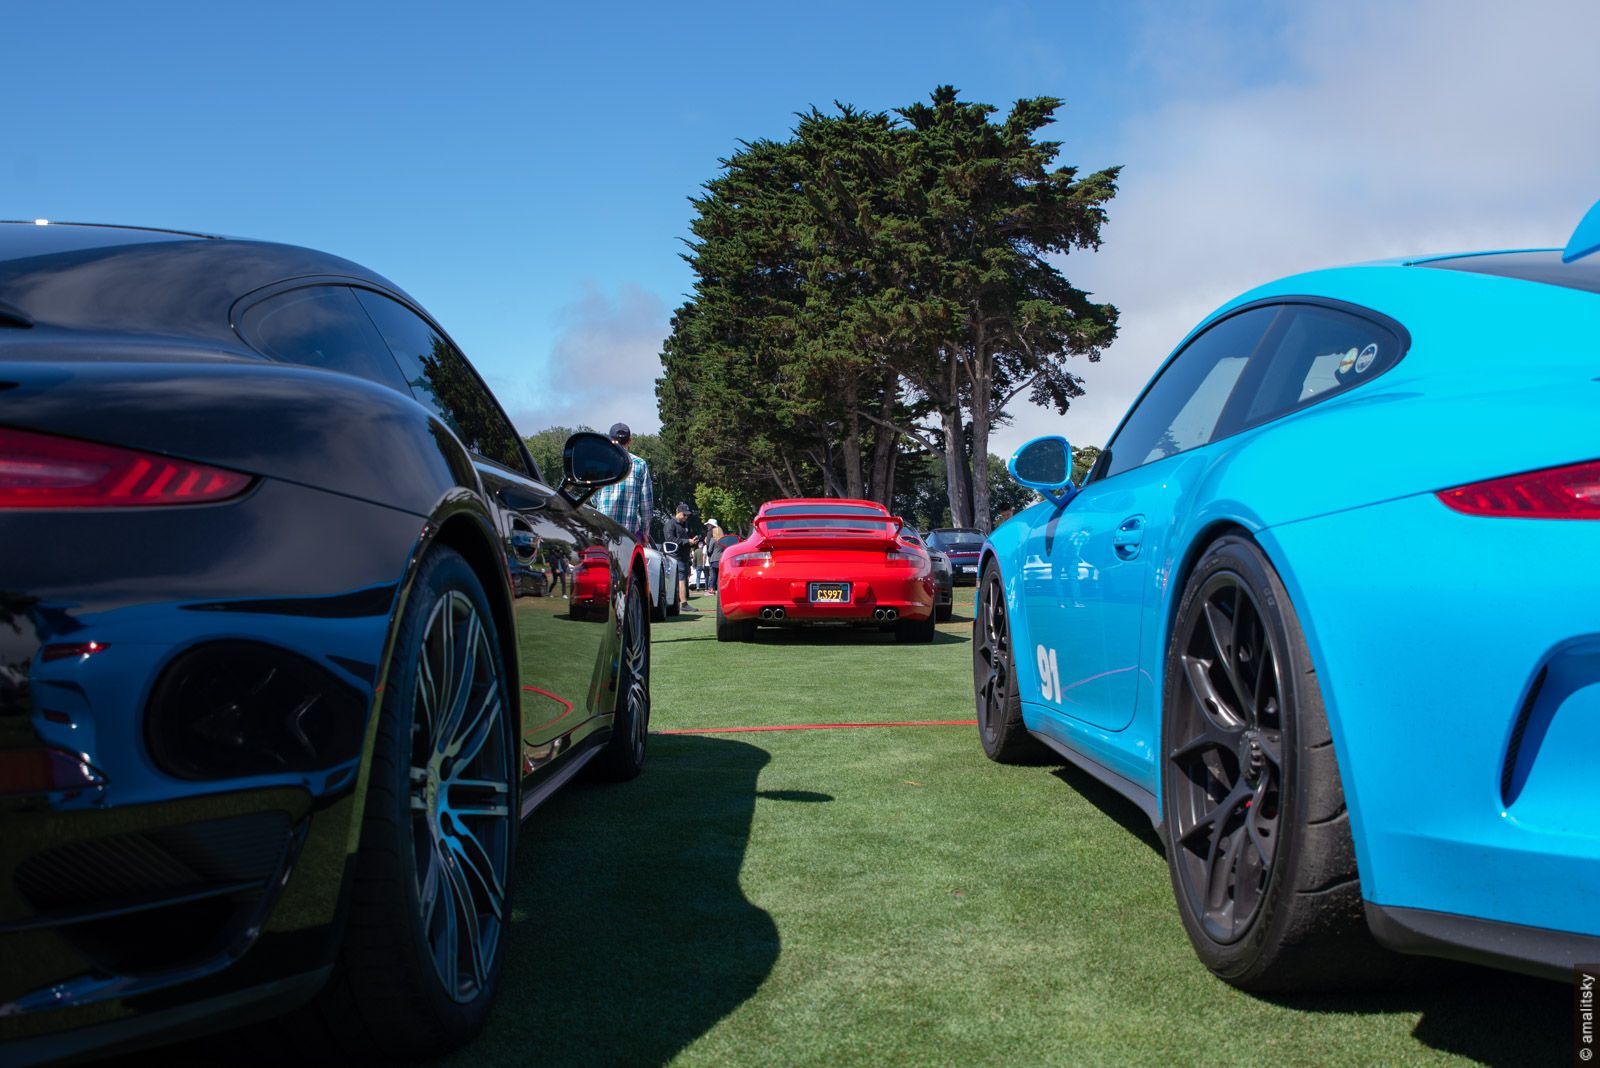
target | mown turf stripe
x=825, y=726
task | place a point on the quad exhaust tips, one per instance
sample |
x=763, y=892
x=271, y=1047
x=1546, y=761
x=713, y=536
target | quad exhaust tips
x=885, y=615
x=772, y=613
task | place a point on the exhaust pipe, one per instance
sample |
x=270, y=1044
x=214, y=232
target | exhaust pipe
x=777, y=613
x=766, y=613
x=885, y=615
x=772, y=613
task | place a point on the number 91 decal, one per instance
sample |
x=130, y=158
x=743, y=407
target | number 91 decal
x=1049, y=675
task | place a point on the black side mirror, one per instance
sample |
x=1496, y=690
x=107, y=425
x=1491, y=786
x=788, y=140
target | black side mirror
x=589, y=461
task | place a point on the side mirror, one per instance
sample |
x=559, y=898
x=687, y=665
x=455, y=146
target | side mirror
x=669, y=548
x=1045, y=464
x=589, y=461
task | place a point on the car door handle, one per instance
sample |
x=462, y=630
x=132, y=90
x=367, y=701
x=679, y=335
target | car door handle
x=1128, y=537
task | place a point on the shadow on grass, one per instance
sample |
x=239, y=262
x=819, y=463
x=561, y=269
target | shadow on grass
x=836, y=635
x=1489, y=1016
x=1127, y=815
x=630, y=936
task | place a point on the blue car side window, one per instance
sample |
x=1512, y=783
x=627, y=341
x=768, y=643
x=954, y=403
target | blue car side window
x=1317, y=353
x=1182, y=408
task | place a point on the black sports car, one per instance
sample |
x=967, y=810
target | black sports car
x=269, y=711
x=962, y=545
x=943, y=576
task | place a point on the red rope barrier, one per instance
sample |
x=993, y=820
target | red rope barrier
x=825, y=726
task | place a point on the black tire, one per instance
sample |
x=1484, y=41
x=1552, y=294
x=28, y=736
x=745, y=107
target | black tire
x=944, y=612
x=994, y=679
x=658, y=613
x=391, y=995
x=734, y=630
x=623, y=756
x=916, y=631
x=1258, y=835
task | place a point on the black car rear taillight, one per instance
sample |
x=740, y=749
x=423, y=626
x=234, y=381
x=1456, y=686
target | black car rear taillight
x=45, y=471
x=1570, y=492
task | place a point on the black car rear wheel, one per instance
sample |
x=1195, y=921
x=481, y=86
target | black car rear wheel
x=1259, y=845
x=425, y=942
x=994, y=677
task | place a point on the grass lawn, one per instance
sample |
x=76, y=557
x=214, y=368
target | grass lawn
x=889, y=896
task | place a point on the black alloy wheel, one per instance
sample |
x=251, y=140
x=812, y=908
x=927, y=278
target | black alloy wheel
x=1229, y=768
x=994, y=676
x=623, y=757
x=1258, y=839
x=424, y=945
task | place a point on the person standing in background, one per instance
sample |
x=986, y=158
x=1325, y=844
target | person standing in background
x=558, y=569
x=676, y=529
x=630, y=502
x=713, y=531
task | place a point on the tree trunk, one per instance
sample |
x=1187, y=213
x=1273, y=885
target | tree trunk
x=982, y=376
x=981, y=389
x=886, y=443
x=958, y=475
x=852, y=439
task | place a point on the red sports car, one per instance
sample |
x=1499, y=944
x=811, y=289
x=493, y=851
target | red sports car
x=825, y=560
x=591, y=585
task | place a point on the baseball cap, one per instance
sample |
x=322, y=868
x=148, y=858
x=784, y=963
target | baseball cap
x=620, y=430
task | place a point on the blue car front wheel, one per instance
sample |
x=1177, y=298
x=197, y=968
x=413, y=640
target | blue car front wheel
x=1258, y=833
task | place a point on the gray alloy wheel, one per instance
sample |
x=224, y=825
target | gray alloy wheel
x=461, y=768
x=425, y=941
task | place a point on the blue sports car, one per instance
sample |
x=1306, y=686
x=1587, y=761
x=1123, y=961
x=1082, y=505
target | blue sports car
x=1326, y=608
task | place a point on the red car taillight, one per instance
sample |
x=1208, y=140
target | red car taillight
x=1570, y=492
x=751, y=559
x=900, y=559
x=43, y=471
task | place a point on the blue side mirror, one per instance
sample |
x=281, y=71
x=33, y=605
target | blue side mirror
x=1045, y=464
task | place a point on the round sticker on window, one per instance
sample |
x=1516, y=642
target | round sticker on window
x=1347, y=361
x=1368, y=355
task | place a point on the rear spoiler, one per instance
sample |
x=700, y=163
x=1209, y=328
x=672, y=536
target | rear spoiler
x=872, y=532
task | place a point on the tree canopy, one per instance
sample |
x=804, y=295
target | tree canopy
x=880, y=285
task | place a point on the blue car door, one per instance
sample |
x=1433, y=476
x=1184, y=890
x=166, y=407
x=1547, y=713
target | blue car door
x=1090, y=566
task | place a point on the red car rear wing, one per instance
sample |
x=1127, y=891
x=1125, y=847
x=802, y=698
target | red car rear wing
x=865, y=531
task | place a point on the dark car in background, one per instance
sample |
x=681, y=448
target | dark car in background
x=943, y=576
x=263, y=680
x=963, y=545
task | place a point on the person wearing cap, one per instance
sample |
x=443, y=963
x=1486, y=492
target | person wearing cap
x=676, y=529
x=630, y=502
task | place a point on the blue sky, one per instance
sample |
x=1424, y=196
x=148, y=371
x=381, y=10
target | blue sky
x=523, y=170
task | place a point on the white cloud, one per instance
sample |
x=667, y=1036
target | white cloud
x=602, y=366
x=1395, y=129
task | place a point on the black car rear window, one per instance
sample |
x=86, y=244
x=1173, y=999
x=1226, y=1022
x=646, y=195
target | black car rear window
x=958, y=537
x=1543, y=267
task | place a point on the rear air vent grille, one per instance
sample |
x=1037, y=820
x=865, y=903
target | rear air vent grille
x=106, y=873
x=1508, y=774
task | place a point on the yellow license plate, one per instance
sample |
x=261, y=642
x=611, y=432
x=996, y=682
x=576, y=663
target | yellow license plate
x=830, y=593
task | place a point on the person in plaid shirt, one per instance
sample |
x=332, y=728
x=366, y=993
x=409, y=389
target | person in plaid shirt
x=630, y=502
